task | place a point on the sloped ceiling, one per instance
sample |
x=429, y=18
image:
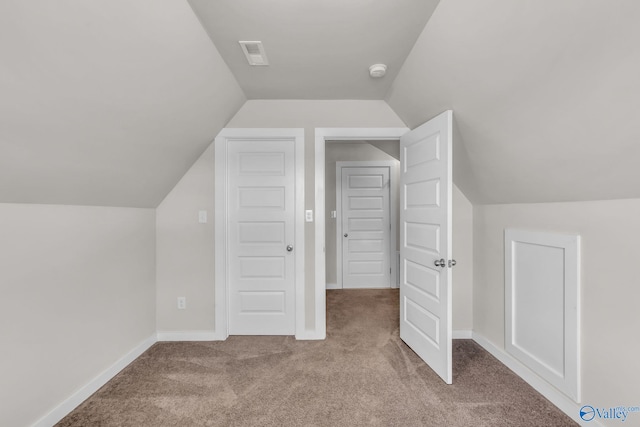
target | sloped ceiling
x=110, y=102
x=545, y=96
x=105, y=102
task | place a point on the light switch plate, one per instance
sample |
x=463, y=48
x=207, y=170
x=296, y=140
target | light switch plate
x=334, y=214
x=202, y=217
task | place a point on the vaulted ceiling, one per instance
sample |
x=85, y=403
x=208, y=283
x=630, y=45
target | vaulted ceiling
x=545, y=96
x=106, y=102
x=110, y=102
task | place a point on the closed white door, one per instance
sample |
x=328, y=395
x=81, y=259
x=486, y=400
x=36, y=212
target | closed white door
x=366, y=227
x=425, y=245
x=261, y=235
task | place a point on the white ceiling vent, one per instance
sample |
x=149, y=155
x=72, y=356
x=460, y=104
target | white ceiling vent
x=254, y=51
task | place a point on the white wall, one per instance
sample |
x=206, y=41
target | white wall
x=462, y=282
x=610, y=291
x=77, y=287
x=185, y=248
x=182, y=240
x=185, y=251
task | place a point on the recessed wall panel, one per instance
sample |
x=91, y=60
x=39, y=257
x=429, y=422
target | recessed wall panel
x=540, y=283
x=542, y=305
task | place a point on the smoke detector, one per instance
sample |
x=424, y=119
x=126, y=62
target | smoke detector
x=377, y=70
x=254, y=51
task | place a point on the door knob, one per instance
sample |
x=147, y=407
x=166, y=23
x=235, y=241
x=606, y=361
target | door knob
x=452, y=262
x=346, y=234
x=439, y=262
x=289, y=248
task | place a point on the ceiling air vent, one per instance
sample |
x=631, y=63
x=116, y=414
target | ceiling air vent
x=254, y=51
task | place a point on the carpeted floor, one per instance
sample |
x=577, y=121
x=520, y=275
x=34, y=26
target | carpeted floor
x=362, y=374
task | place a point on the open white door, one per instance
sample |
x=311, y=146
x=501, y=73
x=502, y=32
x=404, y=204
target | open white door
x=425, y=245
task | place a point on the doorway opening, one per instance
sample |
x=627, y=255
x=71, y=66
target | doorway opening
x=323, y=136
x=362, y=209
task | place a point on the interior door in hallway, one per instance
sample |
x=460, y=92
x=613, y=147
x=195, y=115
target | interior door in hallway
x=261, y=233
x=425, y=242
x=366, y=227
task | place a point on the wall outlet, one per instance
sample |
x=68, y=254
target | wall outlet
x=182, y=303
x=308, y=215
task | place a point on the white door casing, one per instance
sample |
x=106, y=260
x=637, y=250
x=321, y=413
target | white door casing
x=322, y=135
x=259, y=214
x=425, y=239
x=365, y=219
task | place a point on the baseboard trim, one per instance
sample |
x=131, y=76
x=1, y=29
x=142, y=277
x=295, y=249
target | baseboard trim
x=72, y=402
x=562, y=402
x=190, y=336
x=462, y=334
x=333, y=286
x=310, y=335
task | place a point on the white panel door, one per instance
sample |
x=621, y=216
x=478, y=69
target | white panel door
x=366, y=227
x=261, y=204
x=425, y=245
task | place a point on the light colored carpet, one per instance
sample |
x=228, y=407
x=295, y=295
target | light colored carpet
x=362, y=374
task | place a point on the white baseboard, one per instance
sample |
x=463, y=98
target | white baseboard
x=333, y=286
x=564, y=403
x=310, y=335
x=68, y=405
x=190, y=336
x=462, y=334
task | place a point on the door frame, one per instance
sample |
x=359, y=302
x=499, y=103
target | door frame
x=322, y=135
x=225, y=137
x=393, y=218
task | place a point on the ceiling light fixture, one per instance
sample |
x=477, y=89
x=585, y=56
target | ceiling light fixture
x=377, y=70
